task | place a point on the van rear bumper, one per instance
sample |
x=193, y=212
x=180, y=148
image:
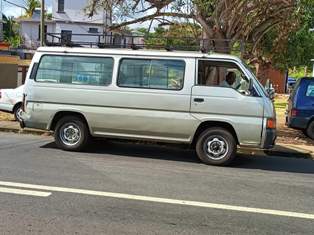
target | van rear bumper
x=270, y=139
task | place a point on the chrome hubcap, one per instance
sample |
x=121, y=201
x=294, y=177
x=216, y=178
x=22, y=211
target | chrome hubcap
x=70, y=134
x=19, y=114
x=216, y=148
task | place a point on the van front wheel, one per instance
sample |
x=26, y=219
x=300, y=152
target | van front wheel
x=71, y=134
x=216, y=146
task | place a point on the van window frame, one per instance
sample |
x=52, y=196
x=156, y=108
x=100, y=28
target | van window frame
x=225, y=61
x=73, y=84
x=149, y=88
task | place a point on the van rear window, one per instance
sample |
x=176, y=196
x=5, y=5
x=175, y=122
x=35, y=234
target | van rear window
x=77, y=70
x=152, y=74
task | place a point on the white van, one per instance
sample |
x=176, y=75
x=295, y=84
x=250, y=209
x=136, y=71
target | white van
x=212, y=102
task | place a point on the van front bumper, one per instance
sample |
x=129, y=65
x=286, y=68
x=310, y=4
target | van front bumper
x=270, y=138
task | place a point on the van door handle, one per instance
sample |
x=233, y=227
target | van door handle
x=199, y=100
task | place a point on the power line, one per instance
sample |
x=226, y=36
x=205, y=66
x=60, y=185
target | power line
x=14, y=4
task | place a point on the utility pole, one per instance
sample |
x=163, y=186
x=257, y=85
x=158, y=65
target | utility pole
x=42, y=23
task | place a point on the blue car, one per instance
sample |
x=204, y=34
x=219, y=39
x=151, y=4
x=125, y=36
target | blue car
x=300, y=111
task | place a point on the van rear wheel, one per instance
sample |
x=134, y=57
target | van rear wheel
x=71, y=133
x=216, y=146
x=310, y=130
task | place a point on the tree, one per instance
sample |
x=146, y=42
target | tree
x=30, y=6
x=287, y=49
x=180, y=35
x=226, y=21
x=10, y=31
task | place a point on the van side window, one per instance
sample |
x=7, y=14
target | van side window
x=310, y=90
x=151, y=73
x=77, y=70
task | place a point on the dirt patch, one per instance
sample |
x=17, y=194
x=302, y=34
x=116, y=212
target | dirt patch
x=6, y=117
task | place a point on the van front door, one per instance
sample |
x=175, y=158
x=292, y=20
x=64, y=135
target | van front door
x=221, y=94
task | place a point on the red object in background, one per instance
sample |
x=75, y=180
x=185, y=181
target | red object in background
x=4, y=46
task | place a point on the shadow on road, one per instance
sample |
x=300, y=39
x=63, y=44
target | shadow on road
x=174, y=153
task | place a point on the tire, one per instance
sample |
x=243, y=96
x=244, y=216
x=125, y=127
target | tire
x=17, y=112
x=222, y=149
x=71, y=133
x=305, y=132
x=310, y=130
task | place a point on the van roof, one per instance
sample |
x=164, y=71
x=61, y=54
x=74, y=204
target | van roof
x=140, y=52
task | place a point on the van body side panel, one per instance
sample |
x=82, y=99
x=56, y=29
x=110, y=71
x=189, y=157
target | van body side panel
x=222, y=104
x=114, y=111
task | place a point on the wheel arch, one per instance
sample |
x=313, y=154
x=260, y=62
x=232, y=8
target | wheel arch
x=16, y=105
x=208, y=124
x=60, y=114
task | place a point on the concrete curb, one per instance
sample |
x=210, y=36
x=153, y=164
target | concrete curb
x=24, y=131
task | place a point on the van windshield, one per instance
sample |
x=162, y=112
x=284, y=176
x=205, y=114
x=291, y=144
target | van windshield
x=256, y=79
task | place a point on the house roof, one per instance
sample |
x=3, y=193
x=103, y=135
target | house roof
x=142, y=52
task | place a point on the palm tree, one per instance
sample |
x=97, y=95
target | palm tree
x=30, y=6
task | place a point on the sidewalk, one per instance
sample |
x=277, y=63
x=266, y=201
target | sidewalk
x=281, y=149
x=12, y=126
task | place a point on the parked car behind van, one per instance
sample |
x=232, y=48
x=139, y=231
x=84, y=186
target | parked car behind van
x=149, y=95
x=300, y=111
x=11, y=101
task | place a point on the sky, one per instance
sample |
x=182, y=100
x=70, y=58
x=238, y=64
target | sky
x=11, y=10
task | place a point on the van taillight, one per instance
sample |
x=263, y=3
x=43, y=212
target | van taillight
x=294, y=112
x=24, y=104
x=271, y=123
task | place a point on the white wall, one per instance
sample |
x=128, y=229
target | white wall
x=29, y=32
x=1, y=24
x=79, y=29
x=74, y=12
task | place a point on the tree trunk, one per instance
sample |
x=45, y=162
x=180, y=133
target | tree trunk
x=262, y=72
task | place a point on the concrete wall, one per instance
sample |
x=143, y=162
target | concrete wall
x=8, y=75
x=29, y=32
x=78, y=28
x=74, y=12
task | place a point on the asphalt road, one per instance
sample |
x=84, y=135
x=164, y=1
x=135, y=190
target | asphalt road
x=123, y=188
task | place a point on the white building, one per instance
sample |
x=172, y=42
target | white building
x=1, y=22
x=68, y=21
